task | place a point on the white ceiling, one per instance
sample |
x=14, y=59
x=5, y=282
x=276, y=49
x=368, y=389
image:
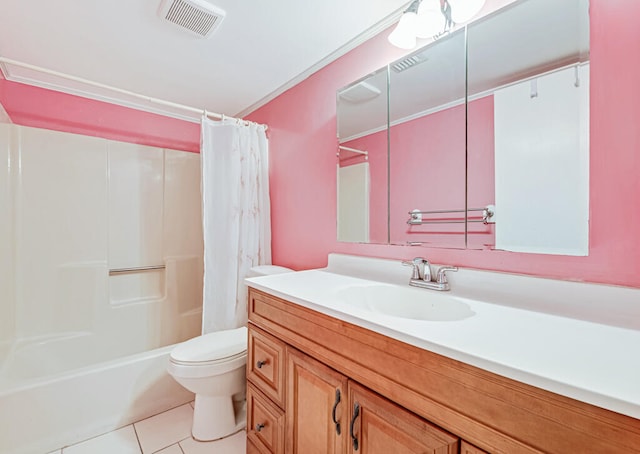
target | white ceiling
x=260, y=49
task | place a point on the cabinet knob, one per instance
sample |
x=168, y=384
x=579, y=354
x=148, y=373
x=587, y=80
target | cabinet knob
x=259, y=427
x=261, y=363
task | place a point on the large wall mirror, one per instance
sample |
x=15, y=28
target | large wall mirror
x=427, y=145
x=485, y=134
x=528, y=135
x=363, y=160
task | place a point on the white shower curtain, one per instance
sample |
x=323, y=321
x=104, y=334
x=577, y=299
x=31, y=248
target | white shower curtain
x=236, y=217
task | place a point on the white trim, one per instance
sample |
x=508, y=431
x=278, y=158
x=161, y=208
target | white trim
x=135, y=101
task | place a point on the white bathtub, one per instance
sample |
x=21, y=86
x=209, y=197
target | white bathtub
x=43, y=407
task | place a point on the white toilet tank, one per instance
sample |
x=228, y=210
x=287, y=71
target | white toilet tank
x=267, y=270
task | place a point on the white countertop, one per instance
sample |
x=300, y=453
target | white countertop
x=586, y=346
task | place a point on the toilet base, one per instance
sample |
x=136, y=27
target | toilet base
x=217, y=417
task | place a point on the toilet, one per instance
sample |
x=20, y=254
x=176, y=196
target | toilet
x=213, y=367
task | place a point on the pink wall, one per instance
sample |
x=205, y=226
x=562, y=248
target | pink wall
x=303, y=129
x=40, y=108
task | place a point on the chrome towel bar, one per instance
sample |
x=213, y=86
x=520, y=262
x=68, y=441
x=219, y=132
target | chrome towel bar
x=135, y=270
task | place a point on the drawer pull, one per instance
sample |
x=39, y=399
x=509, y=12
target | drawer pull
x=333, y=411
x=259, y=364
x=259, y=427
x=356, y=413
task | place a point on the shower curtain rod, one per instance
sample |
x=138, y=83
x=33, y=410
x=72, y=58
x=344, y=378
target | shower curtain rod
x=215, y=116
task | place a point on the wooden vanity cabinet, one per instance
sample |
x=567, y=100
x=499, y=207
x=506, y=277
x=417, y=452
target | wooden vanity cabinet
x=329, y=414
x=466, y=448
x=317, y=407
x=265, y=422
x=409, y=400
x=378, y=426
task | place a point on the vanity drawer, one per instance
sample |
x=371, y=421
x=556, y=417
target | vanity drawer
x=466, y=448
x=252, y=448
x=265, y=423
x=265, y=364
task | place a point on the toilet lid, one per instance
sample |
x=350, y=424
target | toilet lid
x=212, y=347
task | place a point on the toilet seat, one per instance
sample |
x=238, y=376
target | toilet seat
x=210, y=354
x=211, y=348
x=206, y=369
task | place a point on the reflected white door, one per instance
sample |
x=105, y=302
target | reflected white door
x=353, y=203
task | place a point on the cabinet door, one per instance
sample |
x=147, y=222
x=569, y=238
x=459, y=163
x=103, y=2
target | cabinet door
x=317, y=414
x=378, y=426
x=466, y=448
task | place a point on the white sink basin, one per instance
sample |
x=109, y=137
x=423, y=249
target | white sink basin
x=407, y=303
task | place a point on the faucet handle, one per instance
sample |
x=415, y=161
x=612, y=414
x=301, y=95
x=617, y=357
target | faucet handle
x=415, y=263
x=441, y=276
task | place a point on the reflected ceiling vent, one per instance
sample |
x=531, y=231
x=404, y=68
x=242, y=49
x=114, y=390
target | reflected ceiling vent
x=197, y=16
x=359, y=92
x=408, y=62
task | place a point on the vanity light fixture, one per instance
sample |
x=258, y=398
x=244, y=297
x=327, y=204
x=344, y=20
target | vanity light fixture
x=431, y=18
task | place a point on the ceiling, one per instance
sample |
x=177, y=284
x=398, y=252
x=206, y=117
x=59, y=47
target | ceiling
x=260, y=49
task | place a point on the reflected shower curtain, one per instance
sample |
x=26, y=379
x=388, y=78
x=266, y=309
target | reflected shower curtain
x=236, y=217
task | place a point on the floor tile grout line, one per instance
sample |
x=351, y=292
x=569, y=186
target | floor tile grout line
x=137, y=438
x=122, y=427
x=172, y=408
x=96, y=436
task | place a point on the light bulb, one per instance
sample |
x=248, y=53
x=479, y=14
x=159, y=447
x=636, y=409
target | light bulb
x=404, y=35
x=464, y=10
x=430, y=20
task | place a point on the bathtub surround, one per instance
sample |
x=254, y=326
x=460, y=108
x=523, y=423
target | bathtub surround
x=236, y=217
x=77, y=335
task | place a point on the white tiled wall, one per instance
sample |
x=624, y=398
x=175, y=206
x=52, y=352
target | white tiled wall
x=7, y=318
x=60, y=230
x=183, y=240
x=135, y=205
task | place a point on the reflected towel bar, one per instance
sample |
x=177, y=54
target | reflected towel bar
x=352, y=150
x=135, y=270
x=488, y=212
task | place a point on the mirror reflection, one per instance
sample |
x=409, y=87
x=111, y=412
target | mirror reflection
x=528, y=126
x=488, y=138
x=362, y=171
x=427, y=145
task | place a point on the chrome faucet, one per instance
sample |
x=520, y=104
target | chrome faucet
x=421, y=269
x=421, y=276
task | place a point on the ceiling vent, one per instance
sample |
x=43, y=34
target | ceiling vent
x=360, y=92
x=197, y=16
x=408, y=62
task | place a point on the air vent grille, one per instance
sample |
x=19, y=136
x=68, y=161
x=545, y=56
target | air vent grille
x=408, y=62
x=197, y=16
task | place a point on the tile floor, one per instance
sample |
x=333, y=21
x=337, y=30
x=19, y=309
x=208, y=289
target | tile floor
x=166, y=433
